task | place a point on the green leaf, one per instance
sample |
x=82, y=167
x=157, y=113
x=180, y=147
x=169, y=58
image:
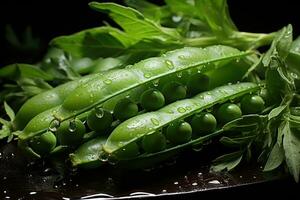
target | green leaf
x=275, y=158
x=245, y=123
x=4, y=132
x=237, y=141
x=95, y=42
x=283, y=128
x=227, y=162
x=216, y=15
x=149, y=10
x=9, y=111
x=134, y=23
x=276, y=112
x=291, y=145
x=280, y=45
x=16, y=71
x=183, y=7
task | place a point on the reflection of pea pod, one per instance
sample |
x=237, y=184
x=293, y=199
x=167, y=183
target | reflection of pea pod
x=137, y=127
x=118, y=82
x=46, y=100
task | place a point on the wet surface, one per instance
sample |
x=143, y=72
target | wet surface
x=186, y=177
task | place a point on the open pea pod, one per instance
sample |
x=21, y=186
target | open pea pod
x=121, y=81
x=134, y=129
x=116, y=82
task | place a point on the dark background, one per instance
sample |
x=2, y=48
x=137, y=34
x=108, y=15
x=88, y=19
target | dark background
x=53, y=18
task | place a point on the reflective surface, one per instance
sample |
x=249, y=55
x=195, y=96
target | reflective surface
x=189, y=177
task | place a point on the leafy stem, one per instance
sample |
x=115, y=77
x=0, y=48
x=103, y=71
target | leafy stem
x=242, y=40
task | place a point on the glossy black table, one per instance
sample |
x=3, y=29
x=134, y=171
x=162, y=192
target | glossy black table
x=187, y=178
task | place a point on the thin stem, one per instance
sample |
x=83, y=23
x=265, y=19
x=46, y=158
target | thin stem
x=243, y=40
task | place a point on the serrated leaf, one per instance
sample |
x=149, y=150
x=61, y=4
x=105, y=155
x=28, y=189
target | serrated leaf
x=276, y=112
x=283, y=128
x=95, y=42
x=280, y=45
x=183, y=7
x=275, y=158
x=19, y=70
x=238, y=141
x=245, y=123
x=291, y=145
x=134, y=23
x=9, y=111
x=216, y=15
x=149, y=10
x=227, y=162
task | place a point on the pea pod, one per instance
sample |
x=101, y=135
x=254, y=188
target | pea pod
x=46, y=100
x=137, y=127
x=88, y=154
x=118, y=82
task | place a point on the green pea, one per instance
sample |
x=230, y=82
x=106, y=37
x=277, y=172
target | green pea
x=44, y=143
x=99, y=119
x=252, y=104
x=70, y=133
x=228, y=112
x=129, y=151
x=125, y=109
x=154, y=142
x=203, y=123
x=179, y=132
x=152, y=99
x=174, y=91
x=197, y=83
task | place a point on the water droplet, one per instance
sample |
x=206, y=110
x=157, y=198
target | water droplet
x=155, y=82
x=200, y=175
x=104, y=157
x=54, y=124
x=170, y=64
x=32, y=193
x=229, y=83
x=170, y=111
x=179, y=74
x=201, y=97
x=164, y=191
x=188, y=108
x=181, y=110
x=99, y=112
x=154, y=121
x=199, y=70
x=214, y=182
x=194, y=184
x=241, y=176
x=147, y=75
x=112, y=160
x=72, y=126
x=107, y=81
x=181, y=57
x=237, y=60
x=176, y=183
x=176, y=18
